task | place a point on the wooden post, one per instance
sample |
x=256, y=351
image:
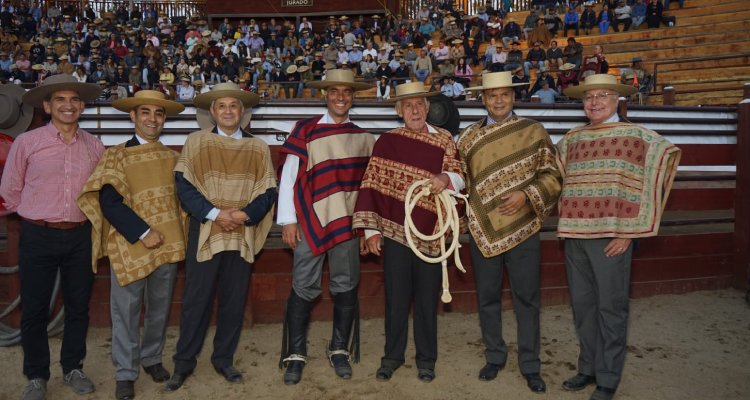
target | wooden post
x=746, y=91
x=668, y=96
x=622, y=107
x=536, y=99
x=741, y=195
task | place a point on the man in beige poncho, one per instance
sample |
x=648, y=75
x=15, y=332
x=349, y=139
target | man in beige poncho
x=226, y=182
x=131, y=202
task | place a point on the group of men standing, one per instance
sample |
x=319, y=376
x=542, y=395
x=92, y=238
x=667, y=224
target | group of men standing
x=341, y=194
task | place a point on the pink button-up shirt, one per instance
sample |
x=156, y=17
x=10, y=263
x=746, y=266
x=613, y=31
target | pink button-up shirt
x=43, y=175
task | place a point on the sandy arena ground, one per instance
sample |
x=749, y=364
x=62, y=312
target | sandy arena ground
x=693, y=346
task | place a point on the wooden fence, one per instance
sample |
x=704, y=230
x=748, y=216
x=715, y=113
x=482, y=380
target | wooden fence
x=180, y=8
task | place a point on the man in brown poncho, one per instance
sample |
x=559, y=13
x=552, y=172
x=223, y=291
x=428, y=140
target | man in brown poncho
x=131, y=202
x=226, y=183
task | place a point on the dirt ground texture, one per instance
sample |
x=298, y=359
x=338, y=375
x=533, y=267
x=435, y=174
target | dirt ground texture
x=691, y=346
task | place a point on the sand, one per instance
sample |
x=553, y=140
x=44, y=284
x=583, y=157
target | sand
x=692, y=346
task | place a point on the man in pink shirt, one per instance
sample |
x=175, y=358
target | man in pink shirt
x=45, y=171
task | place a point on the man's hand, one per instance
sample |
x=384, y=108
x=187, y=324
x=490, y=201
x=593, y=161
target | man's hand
x=153, y=239
x=617, y=246
x=512, y=202
x=225, y=221
x=439, y=182
x=373, y=244
x=363, y=246
x=291, y=235
x=239, y=217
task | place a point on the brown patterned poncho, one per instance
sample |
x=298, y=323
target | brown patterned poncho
x=229, y=173
x=142, y=176
x=516, y=154
x=401, y=157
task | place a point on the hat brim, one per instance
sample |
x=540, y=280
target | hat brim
x=578, y=91
x=497, y=86
x=411, y=95
x=86, y=91
x=204, y=100
x=206, y=121
x=26, y=111
x=323, y=85
x=130, y=103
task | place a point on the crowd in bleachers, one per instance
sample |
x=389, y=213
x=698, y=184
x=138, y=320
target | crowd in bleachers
x=131, y=49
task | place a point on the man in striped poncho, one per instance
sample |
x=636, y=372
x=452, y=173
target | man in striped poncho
x=323, y=161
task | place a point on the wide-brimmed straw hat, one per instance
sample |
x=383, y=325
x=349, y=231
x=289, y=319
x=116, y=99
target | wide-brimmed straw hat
x=496, y=80
x=148, y=97
x=599, y=81
x=566, y=67
x=55, y=83
x=15, y=116
x=339, y=77
x=410, y=90
x=226, y=89
x=291, y=69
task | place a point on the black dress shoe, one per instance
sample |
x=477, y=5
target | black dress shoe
x=602, y=393
x=124, y=390
x=158, y=372
x=426, y=375
x=535, y=383
x=578, y=382
x=384, y=373
x=293, y=373
x=229, y=373
x=490, y=371
x=176, y=381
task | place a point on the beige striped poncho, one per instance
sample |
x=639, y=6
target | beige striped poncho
x=229, y=173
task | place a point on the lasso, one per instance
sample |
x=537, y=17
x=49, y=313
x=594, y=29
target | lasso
x=446, y=220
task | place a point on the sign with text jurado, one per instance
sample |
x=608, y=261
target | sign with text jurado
x=296, y=3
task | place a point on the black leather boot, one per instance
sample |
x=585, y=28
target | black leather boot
x=345, y=317
x=294, y=343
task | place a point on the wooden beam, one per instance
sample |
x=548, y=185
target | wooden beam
x=741, y=196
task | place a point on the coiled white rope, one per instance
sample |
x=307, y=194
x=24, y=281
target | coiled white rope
x=447, y=214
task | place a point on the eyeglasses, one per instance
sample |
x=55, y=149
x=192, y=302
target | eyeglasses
x=591, y=97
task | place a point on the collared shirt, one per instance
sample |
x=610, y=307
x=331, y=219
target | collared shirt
x=44, y=175
x=286, y=214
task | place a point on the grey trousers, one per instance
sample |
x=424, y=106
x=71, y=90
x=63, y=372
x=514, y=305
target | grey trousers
x=343, y=269
x=129, y=349
x=599, y=293
x=522, y=263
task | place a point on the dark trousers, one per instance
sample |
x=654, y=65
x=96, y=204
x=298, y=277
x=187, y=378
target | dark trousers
x=599, y=293
x=522, y=263
x=42, y=253
x=226, y=273
x=571, y=26
x=406, y=277
x=625, y=21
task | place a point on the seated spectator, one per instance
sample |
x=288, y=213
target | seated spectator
x=515, y=57
x=495, y=27
x=605, y=19
x=540, y=34
x=489, y=53
x=654, y=11
x=530, y=23
x=383, y=70
x=588, y=19
x=106, y=91
x=535, y=58
x=185, y=91
x=594, y=64
x=566, y=76
x=383, y=88
x=511, y=32
x=457, y=51
x=622, y=16
x=459, y=91
x=463, y=71
x=573, y=52
x=402, y=74
x=446, y=87
x=552, y=21
x=637, y=76
x=541, y=78
x=368, y=67
x=522, y=91
x=471, y=50
x=276, y=80
x=638, y=13
x=499, y=59
x=422, y=66
x=546, y=94
x=117, y=91
x=570, y=21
